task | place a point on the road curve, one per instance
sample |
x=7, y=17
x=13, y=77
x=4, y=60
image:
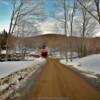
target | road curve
x=56, y=82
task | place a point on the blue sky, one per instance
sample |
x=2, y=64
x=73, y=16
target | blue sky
x=5, y=12
x=48, y=6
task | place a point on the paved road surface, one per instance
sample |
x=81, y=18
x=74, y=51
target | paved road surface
x=56, y=82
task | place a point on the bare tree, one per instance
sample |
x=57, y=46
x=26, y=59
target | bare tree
x=87, y=26
x=65, y=25
x=23, y=10
x=65, y=13
x=71, y=27
x=3, y=37
x=61, y=14
x=25, y=30
x=93, y=3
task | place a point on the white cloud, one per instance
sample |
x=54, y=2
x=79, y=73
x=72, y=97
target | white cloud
x=97, y=33
x=50, y=26
x=47, y=27
x=6, y=27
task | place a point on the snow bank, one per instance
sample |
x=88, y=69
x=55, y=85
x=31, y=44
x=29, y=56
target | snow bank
x=9, y=67
x=89, y=64
x=89, y=75
x=11, y=83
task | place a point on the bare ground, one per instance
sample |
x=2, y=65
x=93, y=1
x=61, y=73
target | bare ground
x=56, y=82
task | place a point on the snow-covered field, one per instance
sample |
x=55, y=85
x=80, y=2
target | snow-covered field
x=9, y=67
x=89, y=64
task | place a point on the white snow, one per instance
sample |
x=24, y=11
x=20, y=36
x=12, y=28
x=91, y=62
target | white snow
x=21, y=71
x=74, y=54
x=63, y=61
x=3, y=52
x=4, y=86
x=29, y=58
x=58, y=55
x=89, y=64
x=89, y=75
x=9, y=67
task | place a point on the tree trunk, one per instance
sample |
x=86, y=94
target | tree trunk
x=65, y=18
x=7, y=47
x=71, y=40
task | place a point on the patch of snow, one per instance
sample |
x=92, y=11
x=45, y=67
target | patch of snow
x=18, y=51
x=3, y=52
x=58, y=55
x=29, y=58
x=74, y=54
x=63, y=61
x=32, y=52
x=3, y=87
x=89, y=75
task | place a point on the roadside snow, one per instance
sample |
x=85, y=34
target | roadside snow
x=89, y=75
x=15, y=75
x=9, y=67
x=63, y=61
x=89, y=64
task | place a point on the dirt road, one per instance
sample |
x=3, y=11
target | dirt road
x=56, y=82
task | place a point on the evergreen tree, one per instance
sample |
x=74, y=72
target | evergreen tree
x=3, y=39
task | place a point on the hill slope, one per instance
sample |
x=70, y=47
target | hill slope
x=60, y=41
